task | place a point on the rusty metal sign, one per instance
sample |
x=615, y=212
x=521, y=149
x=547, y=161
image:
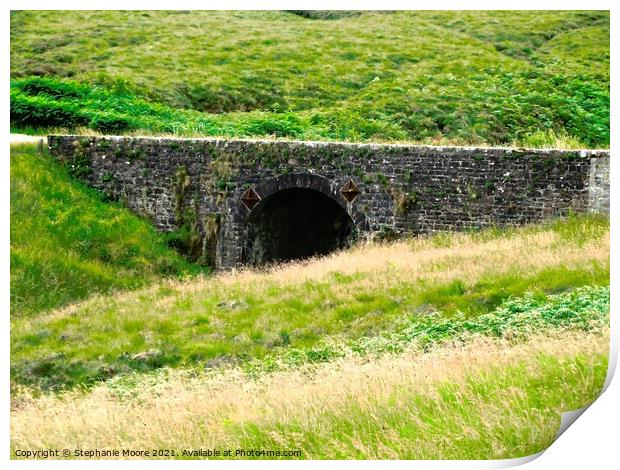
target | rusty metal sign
x=350, y=191
x=250, y=198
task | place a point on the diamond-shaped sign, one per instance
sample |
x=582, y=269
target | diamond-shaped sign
x=350, y=191
x=250, y=198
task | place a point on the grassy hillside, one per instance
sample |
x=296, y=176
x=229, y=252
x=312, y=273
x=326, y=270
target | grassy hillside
x=456, y=345
x=67, y=243
x=463, y=345
x=399, y=291
x=526, y=78
x=485, y=400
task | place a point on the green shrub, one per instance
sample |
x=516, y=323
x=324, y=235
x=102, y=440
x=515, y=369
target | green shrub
x=109, y=123
x=40, y=111
x=326, y=14
x=286, y=125
x=53, y=88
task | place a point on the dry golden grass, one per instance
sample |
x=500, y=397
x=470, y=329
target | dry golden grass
x=420, y=258
x=485, y=399
x=393, y=407
x=379, y=265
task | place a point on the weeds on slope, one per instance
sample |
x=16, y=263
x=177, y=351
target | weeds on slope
x=478, y=400
x=533, y=78
x=359, y=293
x=516, y=319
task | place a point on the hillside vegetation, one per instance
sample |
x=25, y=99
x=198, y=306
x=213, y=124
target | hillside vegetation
x=496, y=77
x=68, y=243
x=464, y=345
x=454, y=345
x=372, y=298
x=483, y=400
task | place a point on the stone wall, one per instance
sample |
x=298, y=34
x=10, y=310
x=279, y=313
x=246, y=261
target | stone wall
x=199, y=183
x=598, y=185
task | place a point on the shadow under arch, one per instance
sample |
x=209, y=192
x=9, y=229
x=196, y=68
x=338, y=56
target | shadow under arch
x=298, y=216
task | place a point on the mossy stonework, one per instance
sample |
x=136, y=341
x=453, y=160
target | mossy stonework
x=258, y=201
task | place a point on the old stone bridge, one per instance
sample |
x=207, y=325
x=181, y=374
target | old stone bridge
x=232, y=202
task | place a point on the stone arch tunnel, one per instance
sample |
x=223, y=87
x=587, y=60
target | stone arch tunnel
x=252, y=202
x=297, y=216
x=296, y=223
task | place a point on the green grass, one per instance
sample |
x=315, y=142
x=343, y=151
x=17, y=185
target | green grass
x=67, y=243
x=493, y=77
x=582, y=308
x=483, y=400
x=481, y=419
x=212, y=323
x=517, y=318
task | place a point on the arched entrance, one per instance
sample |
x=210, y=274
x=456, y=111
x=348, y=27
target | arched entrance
x=296, y=223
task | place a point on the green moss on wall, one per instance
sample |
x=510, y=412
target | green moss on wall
x=186, y=239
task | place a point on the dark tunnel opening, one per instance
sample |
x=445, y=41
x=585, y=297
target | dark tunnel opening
x=294, y=224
